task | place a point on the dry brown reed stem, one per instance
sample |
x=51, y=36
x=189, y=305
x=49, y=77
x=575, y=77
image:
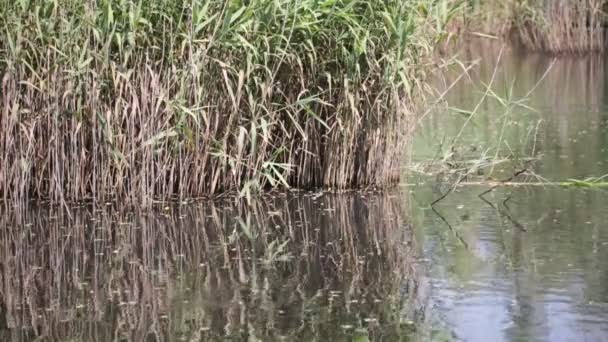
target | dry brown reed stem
x=295, y=266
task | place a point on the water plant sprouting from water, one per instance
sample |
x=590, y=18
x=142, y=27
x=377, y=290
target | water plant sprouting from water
x=136, y=100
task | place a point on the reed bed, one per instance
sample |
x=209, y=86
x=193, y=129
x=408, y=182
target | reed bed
x=563, y=26
x=142, y=100
x=295, y=267
x=553, y=26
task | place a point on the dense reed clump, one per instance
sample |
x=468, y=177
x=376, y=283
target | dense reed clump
x=554, y=26
x=211, y=271
x=135, y=100
x=562, y=26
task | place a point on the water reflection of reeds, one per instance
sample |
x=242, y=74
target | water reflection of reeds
x=295, y=266
x=572, y=81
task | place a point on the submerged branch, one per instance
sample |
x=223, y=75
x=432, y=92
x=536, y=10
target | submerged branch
x=458, y=236
x=504, y=213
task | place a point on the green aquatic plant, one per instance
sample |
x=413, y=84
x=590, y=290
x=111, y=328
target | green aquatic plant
x=589, y=182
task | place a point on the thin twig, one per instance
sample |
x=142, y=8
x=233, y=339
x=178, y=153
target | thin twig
x=520, y=172
x=431, y=107
x=464, y=243
x=485, y=95
x=506, y=214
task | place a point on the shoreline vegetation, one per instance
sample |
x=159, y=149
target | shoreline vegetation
x=548, y=26
x=153, y=100
x=143, y=101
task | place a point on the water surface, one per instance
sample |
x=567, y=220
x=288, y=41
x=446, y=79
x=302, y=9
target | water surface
x=293, y=266
x=524, y=263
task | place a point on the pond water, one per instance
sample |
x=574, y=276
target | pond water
x=521, y=263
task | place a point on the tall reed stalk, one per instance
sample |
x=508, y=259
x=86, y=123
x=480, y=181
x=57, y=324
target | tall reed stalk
x=137, y=100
